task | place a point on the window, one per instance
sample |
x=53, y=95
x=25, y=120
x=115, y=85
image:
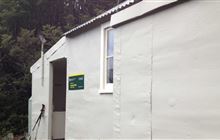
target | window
x=107, y=58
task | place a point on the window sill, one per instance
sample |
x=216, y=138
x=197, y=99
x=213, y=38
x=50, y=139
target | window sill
x=105, y=91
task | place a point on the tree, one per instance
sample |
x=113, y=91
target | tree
x=52, y=34
x=15, y=79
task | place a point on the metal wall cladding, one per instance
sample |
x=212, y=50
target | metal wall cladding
x=132, y=100
x=167, y=68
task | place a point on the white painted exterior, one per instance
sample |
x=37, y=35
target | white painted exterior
x=166, y=77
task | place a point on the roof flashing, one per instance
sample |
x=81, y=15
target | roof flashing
x=106, y=15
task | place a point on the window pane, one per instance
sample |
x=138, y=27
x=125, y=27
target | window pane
x=110, y=42
x=110, y=70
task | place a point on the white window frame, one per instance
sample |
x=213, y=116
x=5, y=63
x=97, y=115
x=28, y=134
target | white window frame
x=104, y=86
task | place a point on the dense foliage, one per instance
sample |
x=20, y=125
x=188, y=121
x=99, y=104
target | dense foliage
x=20, y=22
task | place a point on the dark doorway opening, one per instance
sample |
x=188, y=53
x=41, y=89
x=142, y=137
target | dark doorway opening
x=59, y=99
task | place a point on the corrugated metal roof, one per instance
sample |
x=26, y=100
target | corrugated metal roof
x=107, y=13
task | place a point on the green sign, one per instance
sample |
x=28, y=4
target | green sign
x=76, y=82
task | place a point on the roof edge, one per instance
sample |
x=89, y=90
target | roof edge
x=115, y=9
x=47, y=55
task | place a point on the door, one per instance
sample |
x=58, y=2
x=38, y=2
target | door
x=59, y=99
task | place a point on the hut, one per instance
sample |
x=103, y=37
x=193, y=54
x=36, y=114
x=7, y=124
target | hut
x=146, y=69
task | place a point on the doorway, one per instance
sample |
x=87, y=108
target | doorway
x=58, y=99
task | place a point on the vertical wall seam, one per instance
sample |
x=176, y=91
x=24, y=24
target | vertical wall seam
x=151, y=86
x=117, y=87
x=119, y=93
